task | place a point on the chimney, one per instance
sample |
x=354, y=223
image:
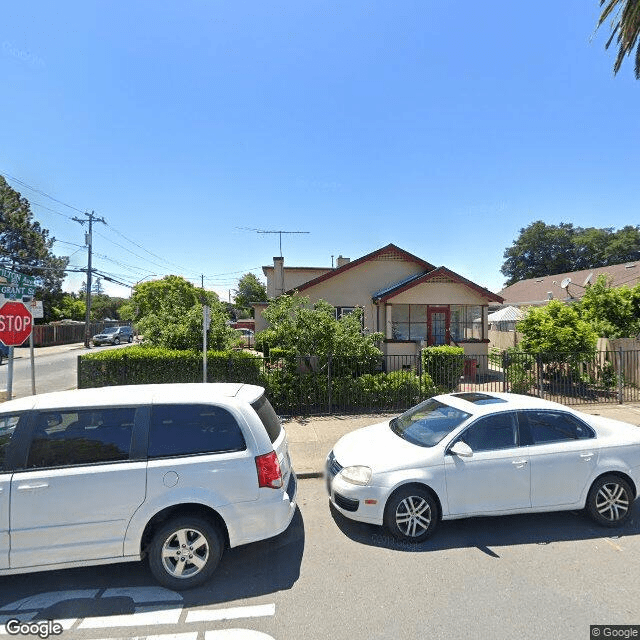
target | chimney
x=342, y=261
x=278, y=275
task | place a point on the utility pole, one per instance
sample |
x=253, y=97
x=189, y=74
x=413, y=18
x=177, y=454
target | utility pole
x=88, y=239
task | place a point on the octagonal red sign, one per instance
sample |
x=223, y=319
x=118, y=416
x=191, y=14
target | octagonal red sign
x=15, y=323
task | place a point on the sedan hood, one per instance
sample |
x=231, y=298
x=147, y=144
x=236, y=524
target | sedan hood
x=379, y=448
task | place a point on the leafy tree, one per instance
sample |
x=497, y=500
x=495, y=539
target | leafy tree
x=249, y=290
x=97, y=288
x=25, y=247
x=104, y=306
x=305, y=329
x=542, y=250
x=556, y=328
x=625, y=29
x=69, y=307
x=168, y=313
x=612, y=312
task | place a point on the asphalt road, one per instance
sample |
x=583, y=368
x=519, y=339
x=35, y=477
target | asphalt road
x=528, y=577
x=54, y=371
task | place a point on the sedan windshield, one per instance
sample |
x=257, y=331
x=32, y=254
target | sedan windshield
x=110, y=330
x=428, y=422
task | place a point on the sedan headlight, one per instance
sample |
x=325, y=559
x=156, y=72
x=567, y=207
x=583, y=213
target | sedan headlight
x=356, y=475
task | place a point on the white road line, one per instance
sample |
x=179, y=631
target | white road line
x=143, y=617
x=212, y=615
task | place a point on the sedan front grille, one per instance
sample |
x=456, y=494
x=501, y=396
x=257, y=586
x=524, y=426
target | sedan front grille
x=348, y=504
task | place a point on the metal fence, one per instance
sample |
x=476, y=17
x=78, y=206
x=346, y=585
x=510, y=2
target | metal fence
x=315, y=385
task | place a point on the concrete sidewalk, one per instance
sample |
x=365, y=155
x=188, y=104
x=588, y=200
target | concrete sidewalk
x=311, y=439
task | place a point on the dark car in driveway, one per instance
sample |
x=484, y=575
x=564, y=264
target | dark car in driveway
x=113, y=335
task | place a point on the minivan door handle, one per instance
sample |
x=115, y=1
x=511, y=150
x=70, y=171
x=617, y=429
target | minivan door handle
x=587, y=456
x=519, y=464
x=31, y=487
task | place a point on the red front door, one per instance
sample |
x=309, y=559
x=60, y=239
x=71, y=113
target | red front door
x=438, y=324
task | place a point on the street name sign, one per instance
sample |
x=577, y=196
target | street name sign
x=15, y=323
x=14, y=286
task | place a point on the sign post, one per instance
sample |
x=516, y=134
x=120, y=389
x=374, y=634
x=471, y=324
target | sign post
x=16, y=325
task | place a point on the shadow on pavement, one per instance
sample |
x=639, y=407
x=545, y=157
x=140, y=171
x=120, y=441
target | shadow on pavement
x=489, y=533
x=253, y=570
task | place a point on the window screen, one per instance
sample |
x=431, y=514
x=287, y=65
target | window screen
x=187, y=429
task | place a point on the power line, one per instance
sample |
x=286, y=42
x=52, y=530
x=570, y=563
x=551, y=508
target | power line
x=155, y=255
x=42, y=193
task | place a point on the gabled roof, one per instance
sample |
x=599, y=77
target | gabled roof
x=507, y=314
x=440, y=272
x=534, y=291
x=390, y=249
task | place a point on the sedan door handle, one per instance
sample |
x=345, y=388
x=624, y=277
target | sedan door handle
x=520, y=464
x=586, y=456
x=31, y=487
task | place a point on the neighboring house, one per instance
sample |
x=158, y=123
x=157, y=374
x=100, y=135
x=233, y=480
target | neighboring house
x=409, y=300
x=505, y=319
x=567, y=287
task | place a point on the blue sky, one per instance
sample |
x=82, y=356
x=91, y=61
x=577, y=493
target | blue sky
x=441, y=127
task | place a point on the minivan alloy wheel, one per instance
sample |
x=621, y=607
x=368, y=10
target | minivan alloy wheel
x=185, y=552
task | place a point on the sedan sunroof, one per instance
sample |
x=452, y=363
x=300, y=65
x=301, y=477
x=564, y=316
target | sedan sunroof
x=478, y=398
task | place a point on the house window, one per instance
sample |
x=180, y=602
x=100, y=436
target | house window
x=436, y=324
x=409, y=322
x=466, y=322
x=341, y=312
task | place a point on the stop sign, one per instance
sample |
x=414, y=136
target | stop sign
x=15, y=323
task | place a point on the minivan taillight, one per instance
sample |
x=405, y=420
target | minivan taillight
x=269, y=474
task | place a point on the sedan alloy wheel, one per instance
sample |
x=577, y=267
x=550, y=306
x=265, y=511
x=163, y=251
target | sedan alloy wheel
x=609, y=501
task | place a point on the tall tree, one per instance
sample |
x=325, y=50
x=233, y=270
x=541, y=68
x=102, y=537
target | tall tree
x=249, y=290
x=168, y=313
x=25, y=247
x=625, y=29
x=542, y=250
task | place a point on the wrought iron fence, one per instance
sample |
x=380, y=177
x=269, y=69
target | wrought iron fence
x=313, y=385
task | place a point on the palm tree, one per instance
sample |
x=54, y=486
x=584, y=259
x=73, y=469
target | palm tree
x=625, y=28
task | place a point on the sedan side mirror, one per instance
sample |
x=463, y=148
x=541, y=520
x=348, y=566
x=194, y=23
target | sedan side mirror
x=461, y=449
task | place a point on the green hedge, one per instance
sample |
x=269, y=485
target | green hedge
x=155, y=365
x=444, y=364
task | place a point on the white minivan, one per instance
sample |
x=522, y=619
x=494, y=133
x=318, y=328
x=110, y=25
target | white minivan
x=173, y=472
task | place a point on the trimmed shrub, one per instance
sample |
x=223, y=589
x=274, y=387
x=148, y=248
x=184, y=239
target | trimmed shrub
x=444, y=364
x=155, y=365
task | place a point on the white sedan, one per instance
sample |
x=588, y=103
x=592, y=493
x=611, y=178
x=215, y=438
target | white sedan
x=479, y=454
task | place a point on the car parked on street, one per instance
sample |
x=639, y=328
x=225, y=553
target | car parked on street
x=479, y=454
x=113, y=335
x=4, y=352
x=173, y=472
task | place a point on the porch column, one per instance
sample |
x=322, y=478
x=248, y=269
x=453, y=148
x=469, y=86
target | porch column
x=389, y=326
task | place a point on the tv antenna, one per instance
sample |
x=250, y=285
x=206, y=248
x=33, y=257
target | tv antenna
x=279, y=232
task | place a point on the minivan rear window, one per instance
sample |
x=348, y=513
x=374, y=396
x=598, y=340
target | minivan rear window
x=189, y=429
x=268, y=417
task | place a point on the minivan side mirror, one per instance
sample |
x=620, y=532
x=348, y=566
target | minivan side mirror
x=461, y=449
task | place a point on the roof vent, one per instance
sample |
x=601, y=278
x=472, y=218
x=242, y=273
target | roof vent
x=629, y=266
